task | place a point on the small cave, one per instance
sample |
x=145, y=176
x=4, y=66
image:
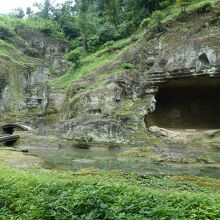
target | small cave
x=187, y=105
x=204, y=59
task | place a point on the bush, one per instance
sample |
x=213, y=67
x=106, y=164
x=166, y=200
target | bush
x=128, y=66
x=107, y=32
x=166, y=3
x=145, y=23
x=154, y=20
x=125, y=29
x=74, y=56
x=75, y=43
x=93, y=42
x=183, y=4
x=109, y=44
x=46, y=26
x=32, y=52
x=5, y=33
x=204, y=7
x=157, y=17
x=70, y=31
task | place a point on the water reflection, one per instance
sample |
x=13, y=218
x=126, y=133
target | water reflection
x=109, y=159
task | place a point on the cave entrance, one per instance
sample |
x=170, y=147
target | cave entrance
x=187, y=105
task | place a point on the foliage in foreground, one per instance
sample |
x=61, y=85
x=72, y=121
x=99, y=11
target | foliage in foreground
x=35, y=195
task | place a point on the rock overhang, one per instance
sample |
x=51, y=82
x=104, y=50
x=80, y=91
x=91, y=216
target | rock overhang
x=186, y=103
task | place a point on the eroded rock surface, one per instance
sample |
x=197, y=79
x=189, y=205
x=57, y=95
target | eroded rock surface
x=23, y=77
x=116, y=107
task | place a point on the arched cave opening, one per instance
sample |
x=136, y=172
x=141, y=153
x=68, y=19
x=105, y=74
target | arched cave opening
x=193, y=104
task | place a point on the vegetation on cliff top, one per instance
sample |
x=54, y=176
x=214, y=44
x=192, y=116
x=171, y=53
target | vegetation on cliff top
x=93, y=26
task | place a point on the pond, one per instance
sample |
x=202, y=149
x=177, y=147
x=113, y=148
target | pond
x=73, y=158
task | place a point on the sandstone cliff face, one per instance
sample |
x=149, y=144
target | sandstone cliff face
x=24, y=75
x=50, y=49
x=116, y=108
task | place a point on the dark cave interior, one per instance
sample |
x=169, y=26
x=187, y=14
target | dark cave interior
x=193, y=104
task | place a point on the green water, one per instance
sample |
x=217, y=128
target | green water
x=108, y=158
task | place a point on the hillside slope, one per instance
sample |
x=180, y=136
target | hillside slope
x=113, y=102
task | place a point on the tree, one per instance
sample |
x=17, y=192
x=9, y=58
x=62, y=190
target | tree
x=18, y=13
x=45, y=8
x=183, y=4
x=64, y=15
x=86, y=25
x=29, y=11
x=84, y=21
x=113, y=9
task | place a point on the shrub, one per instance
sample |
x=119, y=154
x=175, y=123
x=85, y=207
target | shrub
x=145, y=23
x=25, y=195
x=125, y=29
x=93, y=42
x=109, y=44
x=70, y=30
x=157, y=16
x=106, y=33
x=183, y=4
x=32, y=52
x=204, y=7
x=128, y=66
x=165, y=4
x=74, y=56
x=48, y=27
x=5, y=33
x=75, y=43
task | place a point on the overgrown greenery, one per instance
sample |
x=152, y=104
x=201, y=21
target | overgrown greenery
x=82, y=63
x=99, y=31
x=92, y=23
x=89, y=23
x=93, y=195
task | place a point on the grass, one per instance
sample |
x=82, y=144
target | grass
x=42, y=194
x=13, y=158
x=174, y=11
x=91, y=62
x=10, y=53
x=94, y=194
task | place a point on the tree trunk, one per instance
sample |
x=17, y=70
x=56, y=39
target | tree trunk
x=85, y=43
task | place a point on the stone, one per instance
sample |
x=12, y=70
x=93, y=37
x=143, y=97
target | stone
x=212, y=133
x=134, y=38
x=148, y=175
x=25, y=87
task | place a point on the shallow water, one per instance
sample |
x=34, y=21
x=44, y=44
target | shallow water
x=108, y=158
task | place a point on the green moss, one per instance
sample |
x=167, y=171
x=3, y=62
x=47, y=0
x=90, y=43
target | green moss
x=131, y=107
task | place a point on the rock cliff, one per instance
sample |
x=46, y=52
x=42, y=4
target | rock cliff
x=33, y=59
x=182, y=56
